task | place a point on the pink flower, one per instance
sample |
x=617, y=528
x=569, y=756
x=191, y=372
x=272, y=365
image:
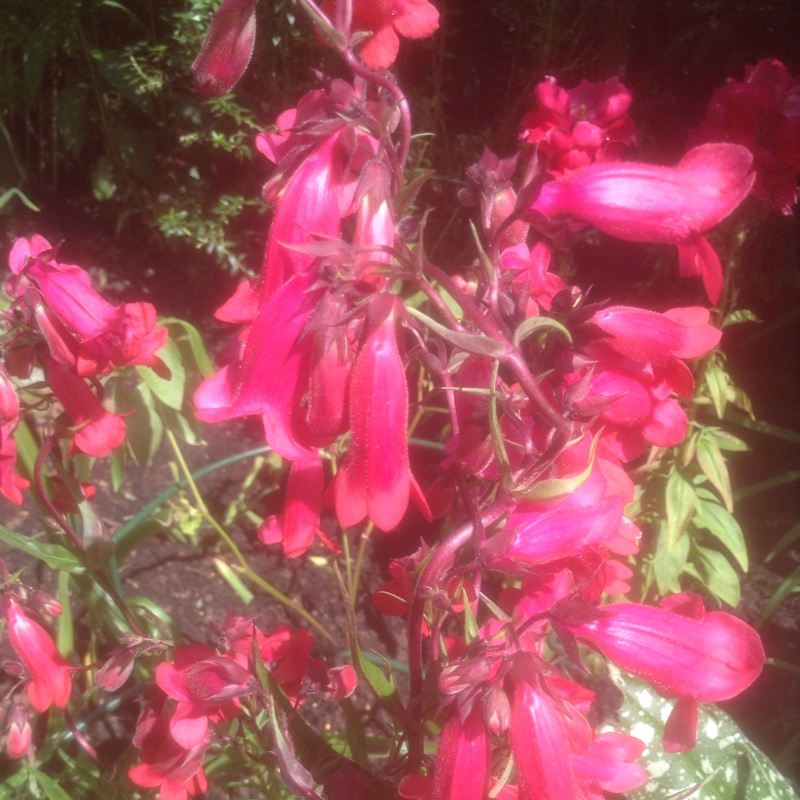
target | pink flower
x=165, y=764
x=645, y=203
x=762, y=112
x=679, y=649
x=82, y=330
x=227, y=49
x=50, y=682
x=99, y=431
x=576, y=127
x=298, y=525
x=387, y=20
x=375, y=479
x=462, y=759
x=207, y=687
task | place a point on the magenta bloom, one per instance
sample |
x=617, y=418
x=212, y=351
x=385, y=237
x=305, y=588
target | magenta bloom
x=576, y=127
x=682, y=652
x=227, y=49
x=375, y=480
x=50, y=682
x=762, y=112
x=387, y=20
x=99, y=431
x=463, y=758
x=207, y=687
x=82, y=330
x=645, y=203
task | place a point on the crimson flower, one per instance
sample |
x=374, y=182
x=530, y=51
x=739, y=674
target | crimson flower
x=99, y=431
x=463, y=759
x=386, y=21
x=50, y=682
x=375, y=480
x=681, y=650
x=207, y=687
x=227, y=49
x=762, y=112
x=164, y=763
x=576, y=127
x=646, y=203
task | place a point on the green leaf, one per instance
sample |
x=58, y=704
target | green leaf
x=740, y=315
x=680, y=499
x=537, y=324
x=717, y=383
x=54, y=555
x=234, y=581
x=50, y=787
x=787, y=587
x=711, y=461
x=722, y=524
x=195, y=341
x=727, y=441
x=65, y=634
x=792, y=535
x=145, y=428
x=720, y=578
x=104, y=182
x=471, y=342
x=168, y=390
x=669, y=563
x=724, y=765
x=72, y=117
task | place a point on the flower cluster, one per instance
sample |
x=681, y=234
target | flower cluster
x=762, y=112
x=61, y=325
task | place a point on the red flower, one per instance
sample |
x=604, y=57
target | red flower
x=576, y=127
x=227, y=49
x=463, y=759
x=645, y=203
x=762, y=112
x=207, y=687
x=177, y=771
x=386, y=20
x=50, y=682
x=375, y=480
x=99, y=431
x=681, y=650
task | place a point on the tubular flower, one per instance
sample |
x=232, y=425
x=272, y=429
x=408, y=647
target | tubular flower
x=681, y=650
x=375, y=480
x=762, y=112
x=386, y=21
x=577, y=127
x=227, y=49
x=82, y=330
x=99, y=431
x=463, y=759
x=50, y=682
x=645, y=203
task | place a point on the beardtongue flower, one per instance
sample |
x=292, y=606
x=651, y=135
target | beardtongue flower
x=386, y=20
x=462, y=760
x=227, y=49
x=99, y=431
x=681, y=650
x=646, y=203
x=50, y=682
x=375, y=480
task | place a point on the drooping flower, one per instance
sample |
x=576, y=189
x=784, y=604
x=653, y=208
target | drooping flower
x=762, y=112
x=463, y=759
x=82, y=330
x=386, y=21
x=50, y=682
x=207, y=687
x=646, y=203
x=679, y=649
x=375, y=479
x=227, y=49
x=577, y=127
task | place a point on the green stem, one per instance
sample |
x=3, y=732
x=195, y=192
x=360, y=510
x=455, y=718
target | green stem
x=237, y=553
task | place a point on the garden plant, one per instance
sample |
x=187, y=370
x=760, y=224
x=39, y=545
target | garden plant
x=552, y=461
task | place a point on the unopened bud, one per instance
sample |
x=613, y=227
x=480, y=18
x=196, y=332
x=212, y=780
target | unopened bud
x=463, y=675
x=19, y=732
x=496, y=711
